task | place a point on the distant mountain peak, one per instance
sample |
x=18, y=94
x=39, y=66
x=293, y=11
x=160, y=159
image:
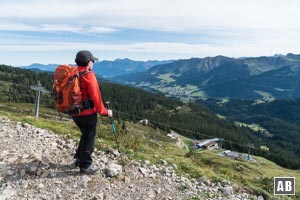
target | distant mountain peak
x=122, y=59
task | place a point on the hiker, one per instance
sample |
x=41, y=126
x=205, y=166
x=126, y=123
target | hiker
x=87, y=119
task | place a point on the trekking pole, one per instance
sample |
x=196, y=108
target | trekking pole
x=115, y=133
x=61, y=119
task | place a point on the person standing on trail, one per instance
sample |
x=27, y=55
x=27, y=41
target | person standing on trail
x=87, y=119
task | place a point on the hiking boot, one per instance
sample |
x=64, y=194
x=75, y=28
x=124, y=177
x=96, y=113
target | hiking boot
x=90, y=170
x=75, y=164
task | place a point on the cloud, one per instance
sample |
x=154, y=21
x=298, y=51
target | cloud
x=191, y=16
x=163, y=48
x=17, y=27
x=56, y=28
x=28, y=52
x=101, y=29
x=77, y=28
x=167, y=15
x=198, y=27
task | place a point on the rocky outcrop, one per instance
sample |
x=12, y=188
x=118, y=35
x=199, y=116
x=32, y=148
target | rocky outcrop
x=37, y=164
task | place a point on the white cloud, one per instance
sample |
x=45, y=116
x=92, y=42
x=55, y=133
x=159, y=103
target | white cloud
x=232, y=27
x=100, y=29
x=169, y=15
x=63, y=52
x=61, y=27
x=186, y=16
x=17, y=27
x=56, y=28
x=163, y=48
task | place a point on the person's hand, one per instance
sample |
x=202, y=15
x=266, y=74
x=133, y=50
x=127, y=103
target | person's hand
x=109, y=113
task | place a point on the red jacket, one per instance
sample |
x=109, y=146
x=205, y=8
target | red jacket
x=90, y=90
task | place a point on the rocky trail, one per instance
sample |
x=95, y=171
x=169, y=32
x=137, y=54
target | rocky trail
x=36, y=164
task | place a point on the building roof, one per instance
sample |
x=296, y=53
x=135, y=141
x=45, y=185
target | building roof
x=206, y=142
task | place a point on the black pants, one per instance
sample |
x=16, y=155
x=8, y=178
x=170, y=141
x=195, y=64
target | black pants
x=87, y=125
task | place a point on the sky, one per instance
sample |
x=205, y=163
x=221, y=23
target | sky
x=53, y=31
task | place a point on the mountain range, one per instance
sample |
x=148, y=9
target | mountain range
x=107, y=68
x=118, y=67
x=269, y=78
x=265, y=77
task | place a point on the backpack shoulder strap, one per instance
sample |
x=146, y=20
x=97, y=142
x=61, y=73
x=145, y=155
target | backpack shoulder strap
x=83, y=73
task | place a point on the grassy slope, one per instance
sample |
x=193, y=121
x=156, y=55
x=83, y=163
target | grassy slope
x=142, y=142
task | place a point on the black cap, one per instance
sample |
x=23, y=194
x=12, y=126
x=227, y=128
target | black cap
x=83, y=57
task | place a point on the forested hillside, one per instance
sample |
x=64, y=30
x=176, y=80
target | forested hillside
x=15, y=84
x=277, y=122
x=128, y=103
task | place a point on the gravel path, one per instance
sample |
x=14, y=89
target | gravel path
x=36, y=164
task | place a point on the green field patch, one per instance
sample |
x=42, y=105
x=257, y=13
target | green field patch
x=265, y=95
x=199, y=94
x=282, y=90
x=223, y=101
x=255, y=127
x=221, y=116
x=166, y=78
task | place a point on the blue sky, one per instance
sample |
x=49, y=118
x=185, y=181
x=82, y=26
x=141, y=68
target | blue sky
x=52, y=31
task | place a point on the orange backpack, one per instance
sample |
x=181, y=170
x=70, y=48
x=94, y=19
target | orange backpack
x=66, y=89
